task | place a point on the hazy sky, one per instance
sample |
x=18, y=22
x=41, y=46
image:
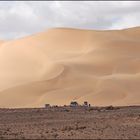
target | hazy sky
x=18, y=19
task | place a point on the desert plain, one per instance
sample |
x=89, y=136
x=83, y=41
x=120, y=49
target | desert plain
x=70, y=123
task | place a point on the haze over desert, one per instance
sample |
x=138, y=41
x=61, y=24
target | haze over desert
x=62, y=64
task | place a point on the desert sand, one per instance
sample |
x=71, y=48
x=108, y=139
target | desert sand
x=62, y=64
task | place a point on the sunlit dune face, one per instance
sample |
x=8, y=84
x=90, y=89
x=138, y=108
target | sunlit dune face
x=60, y=65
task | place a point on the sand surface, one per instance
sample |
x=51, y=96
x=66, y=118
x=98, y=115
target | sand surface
x=70, y=123
x=60, y=65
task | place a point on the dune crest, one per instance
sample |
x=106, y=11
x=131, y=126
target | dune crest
x=62, y=64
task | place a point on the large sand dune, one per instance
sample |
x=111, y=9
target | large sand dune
x=60, y=65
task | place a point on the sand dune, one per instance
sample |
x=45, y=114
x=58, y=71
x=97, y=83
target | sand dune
x=62, y=64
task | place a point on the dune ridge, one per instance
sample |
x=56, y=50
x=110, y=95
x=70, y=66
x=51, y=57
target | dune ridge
x=61, y=64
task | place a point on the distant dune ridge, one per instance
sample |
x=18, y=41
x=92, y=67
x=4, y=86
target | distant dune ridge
x=61, y=65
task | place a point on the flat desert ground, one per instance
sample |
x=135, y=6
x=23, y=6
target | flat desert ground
x=70, y=123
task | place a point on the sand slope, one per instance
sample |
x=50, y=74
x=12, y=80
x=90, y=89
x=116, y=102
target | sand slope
x=60, y=65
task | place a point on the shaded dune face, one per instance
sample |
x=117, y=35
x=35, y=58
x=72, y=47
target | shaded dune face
x=61, y=65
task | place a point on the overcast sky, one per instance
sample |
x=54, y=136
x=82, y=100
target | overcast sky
x=18, y=19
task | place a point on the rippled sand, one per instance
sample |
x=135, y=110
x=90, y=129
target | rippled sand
x=60, y=65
